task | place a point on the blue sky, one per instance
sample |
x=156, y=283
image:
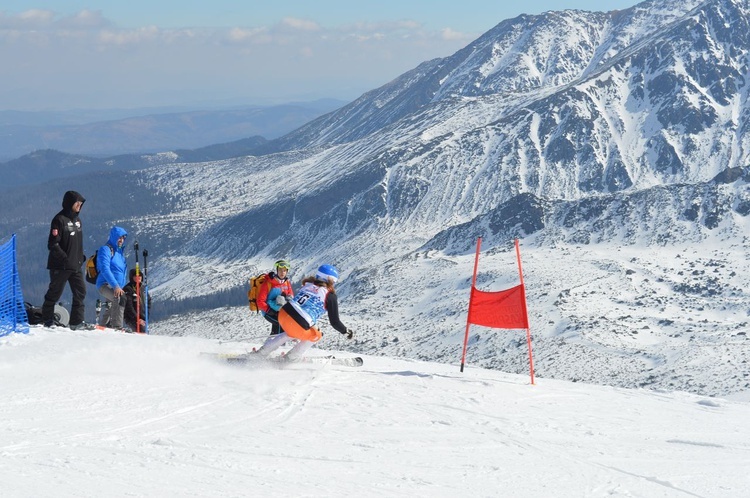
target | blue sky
x=137, y=53
x=465, y=15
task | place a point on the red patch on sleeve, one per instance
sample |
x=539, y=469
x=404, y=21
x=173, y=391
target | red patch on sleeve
x=54, y=232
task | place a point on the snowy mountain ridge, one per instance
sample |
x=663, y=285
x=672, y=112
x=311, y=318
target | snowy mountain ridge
x=634, y=148
x=611, y=144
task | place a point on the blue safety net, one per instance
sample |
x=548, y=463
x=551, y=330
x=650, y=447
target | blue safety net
x=12, y=310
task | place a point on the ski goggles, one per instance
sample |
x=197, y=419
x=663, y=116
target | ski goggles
x=282, y=264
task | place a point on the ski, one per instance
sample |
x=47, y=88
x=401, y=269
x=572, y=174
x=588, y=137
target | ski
x=108, y=329
x=249, y=358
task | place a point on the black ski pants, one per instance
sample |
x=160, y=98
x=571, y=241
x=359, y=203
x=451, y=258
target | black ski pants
x=57, y=281
x=273, y=317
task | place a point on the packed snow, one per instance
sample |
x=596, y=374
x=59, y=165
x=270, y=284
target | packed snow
x=645, y=290
x=100, y=413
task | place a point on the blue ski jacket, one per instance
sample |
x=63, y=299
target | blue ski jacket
x=112, y=266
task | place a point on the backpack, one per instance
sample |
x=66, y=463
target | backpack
x=33, y=313
x=91, y=270
x=252, y=294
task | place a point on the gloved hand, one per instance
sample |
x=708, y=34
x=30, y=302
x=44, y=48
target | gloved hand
x=349, y=333
x=281, y=300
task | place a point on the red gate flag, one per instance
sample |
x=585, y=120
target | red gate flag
x=503, y=309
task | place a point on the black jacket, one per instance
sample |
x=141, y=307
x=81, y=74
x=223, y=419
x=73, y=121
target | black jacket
x=332, y=307
x=65, y=242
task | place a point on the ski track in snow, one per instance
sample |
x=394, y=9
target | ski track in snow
x=107, y=414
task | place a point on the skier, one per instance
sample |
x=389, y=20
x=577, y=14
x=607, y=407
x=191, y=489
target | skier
x=298, y=317
x=274, y=293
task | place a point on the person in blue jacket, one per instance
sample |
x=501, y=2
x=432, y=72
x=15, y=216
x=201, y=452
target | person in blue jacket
x=113, y=273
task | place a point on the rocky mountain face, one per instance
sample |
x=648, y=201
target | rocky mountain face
x=567, y=107
x=612, y=144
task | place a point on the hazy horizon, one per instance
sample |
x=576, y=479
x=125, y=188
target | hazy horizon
x=140, y=54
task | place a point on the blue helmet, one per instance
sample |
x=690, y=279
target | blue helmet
x=327, y=271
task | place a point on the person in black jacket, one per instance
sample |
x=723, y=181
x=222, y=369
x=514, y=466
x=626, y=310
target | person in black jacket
x=65, y=244
x=131, y=304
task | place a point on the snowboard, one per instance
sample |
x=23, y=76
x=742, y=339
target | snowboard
x=61, y=315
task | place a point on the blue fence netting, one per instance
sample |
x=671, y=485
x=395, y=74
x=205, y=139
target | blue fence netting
x=12, y=310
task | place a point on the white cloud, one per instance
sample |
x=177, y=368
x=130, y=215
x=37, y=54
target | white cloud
x=129, y=37
x=33, y=19
x=85, y=19
x=36, y=16
x=36, y=19
x=300, y=24
x=277, y=62
x=251, y=35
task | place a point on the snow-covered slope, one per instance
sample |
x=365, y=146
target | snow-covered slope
x=673, y=317
x=621, y=166
x=612, y=144
x=108, y=414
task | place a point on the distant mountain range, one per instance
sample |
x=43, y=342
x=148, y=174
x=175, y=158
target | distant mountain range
x=613, y=144
x=119, y=132
x=50, y=164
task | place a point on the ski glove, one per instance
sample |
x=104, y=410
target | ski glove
x=281, y=300
x=349, y=333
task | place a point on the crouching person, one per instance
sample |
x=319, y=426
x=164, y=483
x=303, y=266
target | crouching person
x=299, y=316
x=135, y=305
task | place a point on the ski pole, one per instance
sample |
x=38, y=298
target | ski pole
x=137, y=291
x=145, y=290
